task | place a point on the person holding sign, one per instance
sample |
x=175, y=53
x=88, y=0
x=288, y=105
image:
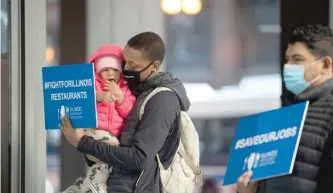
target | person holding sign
x=308, y=75
x=114, y=102
x=151, y=137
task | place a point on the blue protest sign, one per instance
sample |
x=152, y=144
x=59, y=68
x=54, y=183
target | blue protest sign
x=266, y=143
x=69, y=90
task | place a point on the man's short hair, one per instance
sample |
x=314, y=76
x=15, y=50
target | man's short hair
x=318, y=39
x=150, y=44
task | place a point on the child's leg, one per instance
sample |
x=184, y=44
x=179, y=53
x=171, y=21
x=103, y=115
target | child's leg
x=99, y=178
x=104, y=136
x=99, y=173
x=77, y=187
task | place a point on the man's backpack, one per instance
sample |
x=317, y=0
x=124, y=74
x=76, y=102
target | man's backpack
x=184, y=173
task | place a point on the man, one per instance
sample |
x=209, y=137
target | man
x=307, y=74
x=135, y=167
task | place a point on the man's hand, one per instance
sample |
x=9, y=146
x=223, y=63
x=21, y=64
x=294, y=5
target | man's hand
x=106, y=97
x=244, y=185
x=72, y=135
x=90, y=132
x=113, y=88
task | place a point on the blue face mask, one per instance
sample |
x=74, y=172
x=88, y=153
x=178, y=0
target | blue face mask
x=293, y=77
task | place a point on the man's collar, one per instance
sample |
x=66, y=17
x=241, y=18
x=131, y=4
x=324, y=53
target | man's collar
x=317, y=91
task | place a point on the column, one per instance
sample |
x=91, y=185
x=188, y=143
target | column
x=225, y=51
x=98, y=24
x=13, y=104
x=117, y=21
x=33, y=58
x=72, y=51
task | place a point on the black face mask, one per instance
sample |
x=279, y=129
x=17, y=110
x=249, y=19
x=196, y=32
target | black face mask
x=132, y=77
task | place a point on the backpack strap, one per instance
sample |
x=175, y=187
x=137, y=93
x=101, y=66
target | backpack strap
x=142, y=111
x=145, y=101
x=160, y=165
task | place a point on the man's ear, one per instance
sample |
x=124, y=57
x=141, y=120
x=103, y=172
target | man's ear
x=156, y=66
x=328, y=63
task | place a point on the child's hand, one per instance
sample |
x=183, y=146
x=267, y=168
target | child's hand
x=105, y=96
x=113, y=87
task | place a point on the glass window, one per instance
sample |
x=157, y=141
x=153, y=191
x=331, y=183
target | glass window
x=188, y=45
x=5, y=27
x=216, y=136
x=224, y=42
x=52, y=58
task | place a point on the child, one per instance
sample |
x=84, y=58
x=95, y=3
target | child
x=114, y=103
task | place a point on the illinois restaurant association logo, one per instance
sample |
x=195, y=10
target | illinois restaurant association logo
x=70, y=112
x=255, y=159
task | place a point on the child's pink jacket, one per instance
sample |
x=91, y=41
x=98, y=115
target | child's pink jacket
x=111, y=116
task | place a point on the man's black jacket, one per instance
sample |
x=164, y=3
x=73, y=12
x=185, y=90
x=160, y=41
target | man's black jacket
x=135, y=166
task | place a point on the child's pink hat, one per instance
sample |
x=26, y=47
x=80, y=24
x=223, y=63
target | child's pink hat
x=108, y=50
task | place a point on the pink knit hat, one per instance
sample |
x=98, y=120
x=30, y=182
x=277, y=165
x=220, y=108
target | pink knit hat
x=108, y=50
x=112, y=62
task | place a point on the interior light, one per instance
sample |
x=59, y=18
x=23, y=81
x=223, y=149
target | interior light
x=49, y=54
x=191, y=7
x=171, y=7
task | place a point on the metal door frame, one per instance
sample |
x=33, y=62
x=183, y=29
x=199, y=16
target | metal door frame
x=27, y=56
x=15, y=96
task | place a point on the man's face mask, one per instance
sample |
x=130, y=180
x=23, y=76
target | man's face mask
x=293, y=77
x=133, y=78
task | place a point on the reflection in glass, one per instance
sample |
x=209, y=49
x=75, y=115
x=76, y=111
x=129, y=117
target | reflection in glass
x=5, y=130
x=52, y=58
x=229, y=45
x=224, y=42
x=216, y=136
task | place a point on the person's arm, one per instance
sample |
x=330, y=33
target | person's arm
x=160, y=114
x=126, y=105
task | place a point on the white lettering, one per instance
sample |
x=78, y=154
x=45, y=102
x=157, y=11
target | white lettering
x=69, y=96
x=68, y=84
x=266, y=138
